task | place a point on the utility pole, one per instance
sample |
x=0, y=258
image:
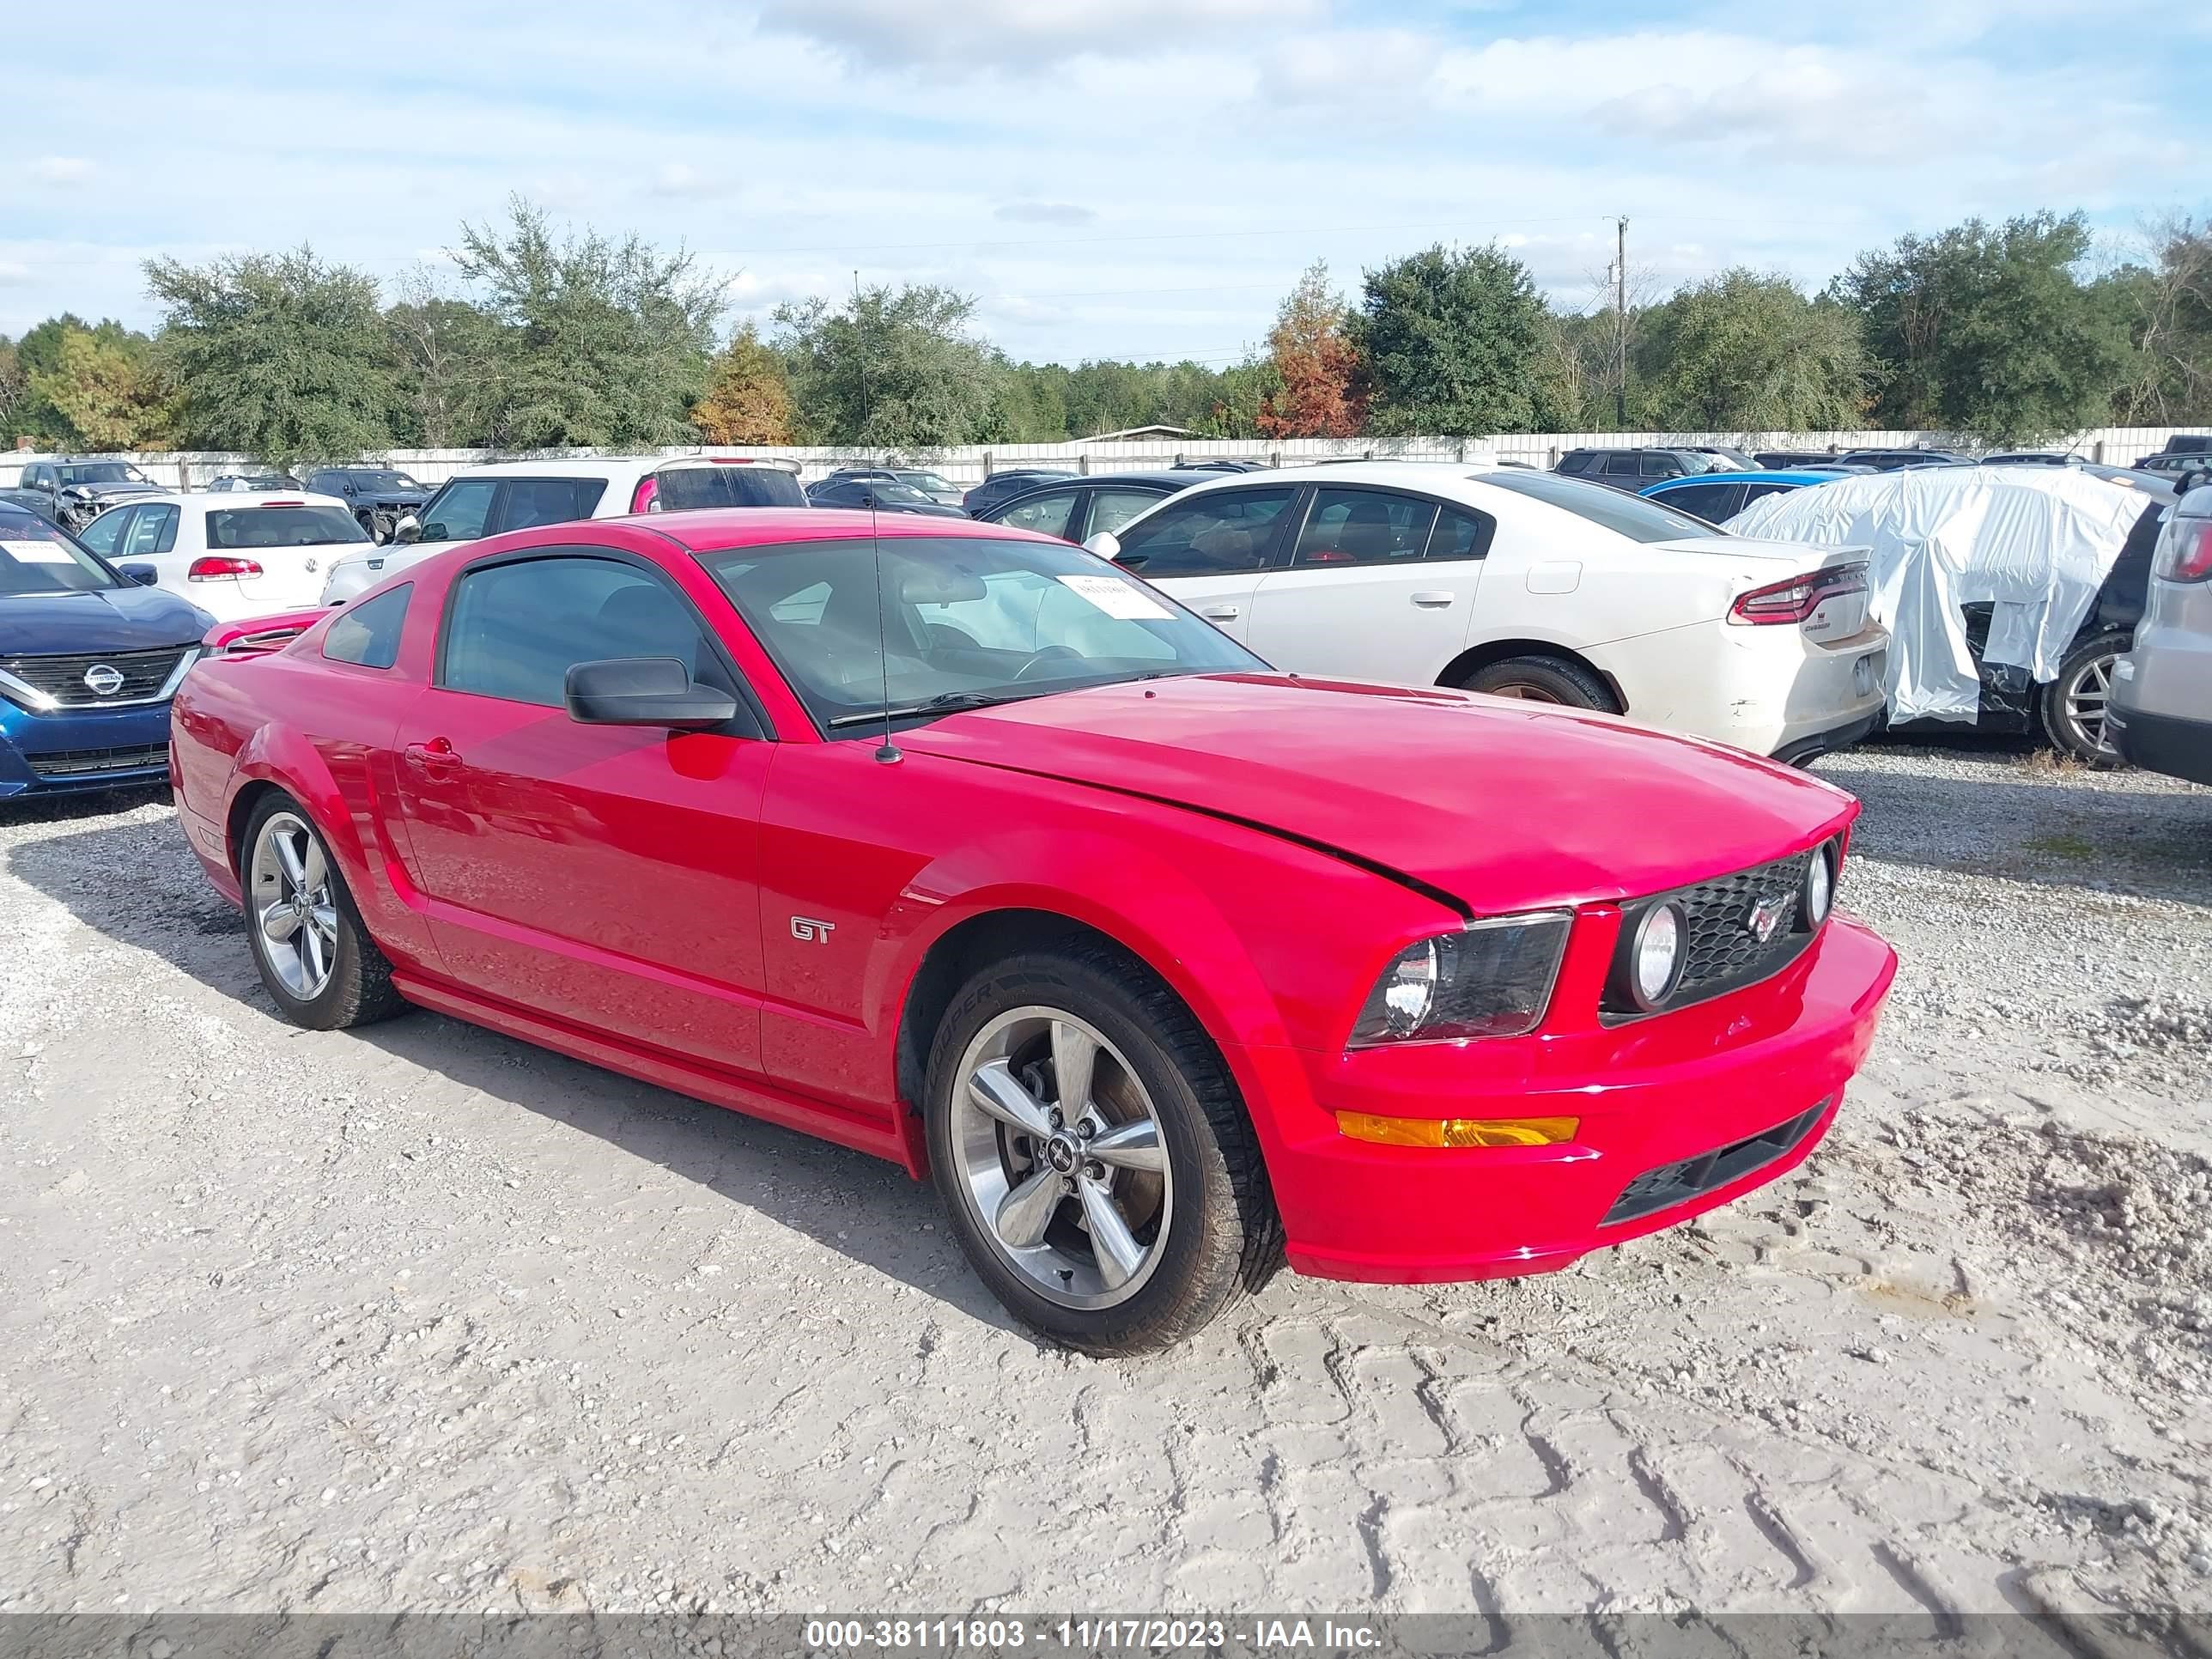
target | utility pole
x=1620, y=321
x=861, y=335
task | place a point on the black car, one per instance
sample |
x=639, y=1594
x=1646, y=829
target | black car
x=1075, y=509
x=2188, y=443
x=1221, y=464
x=1894, y=460
x=379, y=496
x=1000, y=485
x=881, y=495
x=78, y=488
x=1786, y=460
x=1633, y=469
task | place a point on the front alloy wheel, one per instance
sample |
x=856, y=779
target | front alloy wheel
x=1060, y=1157
x=1095, y=1159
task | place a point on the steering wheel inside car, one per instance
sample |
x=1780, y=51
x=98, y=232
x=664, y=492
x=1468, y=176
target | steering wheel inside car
x=1050, y=653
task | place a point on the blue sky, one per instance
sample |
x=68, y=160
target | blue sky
x=1109, y=178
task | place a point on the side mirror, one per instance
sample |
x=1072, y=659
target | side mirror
x=144, y=575
x=656, y=691
x=409, y=529
x=1105, y=543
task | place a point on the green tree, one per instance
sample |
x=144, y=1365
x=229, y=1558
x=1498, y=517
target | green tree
x=2166, y=307
x=444, y=354
x=1988, y=330
x=1746, y=353
x=891, y=369
x=279, y=356
x=31, y=414
x=597, y=342
x=107, y=391
x=747, y=396
x=1452, y=339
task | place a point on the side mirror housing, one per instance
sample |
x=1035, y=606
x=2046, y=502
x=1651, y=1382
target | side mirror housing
x=144, y=575
x=656, y=691
x=409, y=529
x=1106, y=544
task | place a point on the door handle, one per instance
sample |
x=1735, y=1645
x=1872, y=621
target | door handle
x=1430, y=599
x=435, y=757
x=1219, y=612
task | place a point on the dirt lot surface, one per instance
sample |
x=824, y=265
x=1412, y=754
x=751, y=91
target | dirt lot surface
x=419, y=1317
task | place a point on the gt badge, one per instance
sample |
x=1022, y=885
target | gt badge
x=811, y=932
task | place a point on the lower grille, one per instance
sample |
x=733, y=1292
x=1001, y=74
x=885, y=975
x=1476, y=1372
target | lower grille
x=144, y=674
x=90, y=763
x=1677, y=1183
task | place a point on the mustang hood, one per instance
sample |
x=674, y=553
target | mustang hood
x=121, y=619
x=1506, y=805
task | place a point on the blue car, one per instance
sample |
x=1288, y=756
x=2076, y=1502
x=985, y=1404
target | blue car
x=1716, y=497
x=88, y=662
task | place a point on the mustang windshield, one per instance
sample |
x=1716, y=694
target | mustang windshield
x=963, y=621
x=37, y=558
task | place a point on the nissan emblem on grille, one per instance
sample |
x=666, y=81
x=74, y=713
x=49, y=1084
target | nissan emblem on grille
x=1765, y=916
x=103, y=679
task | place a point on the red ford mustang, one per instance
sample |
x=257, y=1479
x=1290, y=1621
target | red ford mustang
x=962, y=848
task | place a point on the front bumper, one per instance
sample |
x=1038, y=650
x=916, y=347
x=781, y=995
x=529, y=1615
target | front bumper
x=74, y=750
x=1735, y=1092
x=2161, y=743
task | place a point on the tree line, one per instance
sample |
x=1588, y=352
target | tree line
x=547, y=337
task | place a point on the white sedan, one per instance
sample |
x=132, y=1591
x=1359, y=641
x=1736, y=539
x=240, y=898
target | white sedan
x=1526, y=584
x=233, y=553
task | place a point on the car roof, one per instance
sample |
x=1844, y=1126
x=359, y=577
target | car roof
x=1796, y=475
x=717, y=529
x=237, y=498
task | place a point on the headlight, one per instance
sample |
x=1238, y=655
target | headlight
x=1655, y=966
x=1492, y=978
x=1820, y=886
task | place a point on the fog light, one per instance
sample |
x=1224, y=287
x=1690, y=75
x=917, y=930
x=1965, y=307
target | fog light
x=1457, y=1131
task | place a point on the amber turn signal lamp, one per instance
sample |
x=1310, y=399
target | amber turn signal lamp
x=1458, y=1131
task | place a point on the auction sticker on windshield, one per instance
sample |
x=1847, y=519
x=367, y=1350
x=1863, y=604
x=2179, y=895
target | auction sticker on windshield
x=1117, y=598
x=37, y=552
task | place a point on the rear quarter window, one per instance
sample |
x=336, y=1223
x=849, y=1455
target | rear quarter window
x=686, y=487
x=367, y=634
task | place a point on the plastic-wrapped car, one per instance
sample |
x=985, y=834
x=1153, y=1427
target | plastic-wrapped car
x=2009, y=592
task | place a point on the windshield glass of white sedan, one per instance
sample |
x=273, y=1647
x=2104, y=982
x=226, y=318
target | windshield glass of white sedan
x=1637, y=517
x=963, y=622
x=282, y=527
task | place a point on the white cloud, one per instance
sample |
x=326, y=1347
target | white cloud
x=1019, y=34
x=1043, y=213
x=13, y=274
x=61, y=170
x=682, y=179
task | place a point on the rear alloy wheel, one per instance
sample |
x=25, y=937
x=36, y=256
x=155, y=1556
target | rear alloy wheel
x=321, y=966
x=1098, y=1169
x=1543, y=679
x=2072, y=707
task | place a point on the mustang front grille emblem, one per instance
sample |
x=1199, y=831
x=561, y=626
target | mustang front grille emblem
x=103, y=679
x=1765, y=916
x=805, y=928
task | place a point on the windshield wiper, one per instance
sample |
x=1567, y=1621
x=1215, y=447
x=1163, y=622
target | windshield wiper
x=944, y=702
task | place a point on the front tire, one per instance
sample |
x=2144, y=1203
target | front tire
x=321, y=966
x=1094, y=1158
x=1543, y=679
x=2071, y=709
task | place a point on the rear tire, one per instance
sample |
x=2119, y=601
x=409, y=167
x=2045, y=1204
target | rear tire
x=2070, y=710
x=1182, y=1201
x=1543, y=679
x=317, y=959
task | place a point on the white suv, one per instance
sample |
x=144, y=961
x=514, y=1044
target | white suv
x=233, y=553
x=483, y=500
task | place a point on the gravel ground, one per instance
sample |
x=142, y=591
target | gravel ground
x=421, y=1318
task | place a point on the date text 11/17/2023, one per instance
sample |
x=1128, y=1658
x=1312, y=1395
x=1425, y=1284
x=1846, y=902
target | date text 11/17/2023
x=1098, y=1634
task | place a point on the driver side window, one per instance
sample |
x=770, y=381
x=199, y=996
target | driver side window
x=105, y=533
x=461, y=512
x=513, y=631
x=1219, y=534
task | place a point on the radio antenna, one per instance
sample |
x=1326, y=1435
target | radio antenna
x=888, y=754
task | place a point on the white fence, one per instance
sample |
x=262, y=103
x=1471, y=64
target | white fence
x=972, y=464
